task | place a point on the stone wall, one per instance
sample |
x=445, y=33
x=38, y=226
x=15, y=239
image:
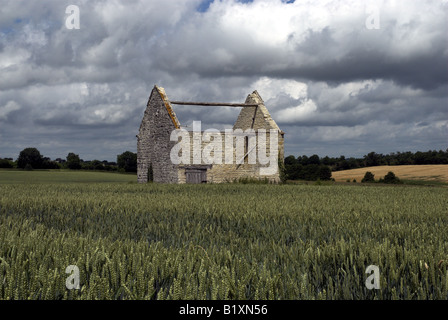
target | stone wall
x=154, y=145
x=144, y=147
x=255, y=117
x=230, y=168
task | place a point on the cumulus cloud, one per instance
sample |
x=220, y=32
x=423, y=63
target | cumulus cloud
x=7, y=109
x=330, y=82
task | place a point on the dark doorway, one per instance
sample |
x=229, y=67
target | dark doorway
x=196, y=175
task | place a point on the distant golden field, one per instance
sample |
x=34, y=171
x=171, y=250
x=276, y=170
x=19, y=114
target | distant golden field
x=433, y=172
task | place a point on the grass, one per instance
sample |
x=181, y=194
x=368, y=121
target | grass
x=228, y=241
x=11, y=176
x=425, y=182
x=306, y=182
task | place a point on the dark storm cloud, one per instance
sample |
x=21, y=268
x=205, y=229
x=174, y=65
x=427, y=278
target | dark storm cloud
x=427, y=71
x=331, y=83
x=320, y=55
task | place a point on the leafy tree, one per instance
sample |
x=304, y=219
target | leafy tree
x=303, y=160
x=342, y=163
x=391, y=178
x=314, y=159
x=368, y=177
x=127, y=161
x=304, y=168
x=404, y=158
x=93, y=165
x=310, y=172
x=419, y=158
x=97, y=165
x=48, y=164
x=327, y=161
x=352, y=163
x=391, y=159
x=282, y=171
x=5, y=163
x=324, y=173
x=73, y=161
x=30, y=156
x=372, y=159
x=293, y=172
x=377, y=159
x=290, y=160
x=291, y=168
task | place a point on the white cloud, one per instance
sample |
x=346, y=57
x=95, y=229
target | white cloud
x=105, y=114
x=9, y=107
x=33, y=35
x=84, y=89
x=301, y=112
x=337, y=133
x=12, y=57
x=337, y=97
x=270, y=88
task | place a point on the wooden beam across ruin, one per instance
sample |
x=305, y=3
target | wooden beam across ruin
x=215, y=104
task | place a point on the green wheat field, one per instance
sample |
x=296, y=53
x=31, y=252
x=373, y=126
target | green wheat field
x=228, y=241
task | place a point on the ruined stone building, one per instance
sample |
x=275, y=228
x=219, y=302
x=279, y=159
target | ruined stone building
x=233, y=156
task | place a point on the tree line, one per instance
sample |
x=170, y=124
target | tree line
x=295, y=168
x=373, y=159
x=31, y=158
x=315, y=167
x=304, y=168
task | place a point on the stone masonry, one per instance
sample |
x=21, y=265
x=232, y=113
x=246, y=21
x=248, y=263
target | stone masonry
x=154, y=145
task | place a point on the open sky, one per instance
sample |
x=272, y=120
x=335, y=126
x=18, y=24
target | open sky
x=339, y=77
